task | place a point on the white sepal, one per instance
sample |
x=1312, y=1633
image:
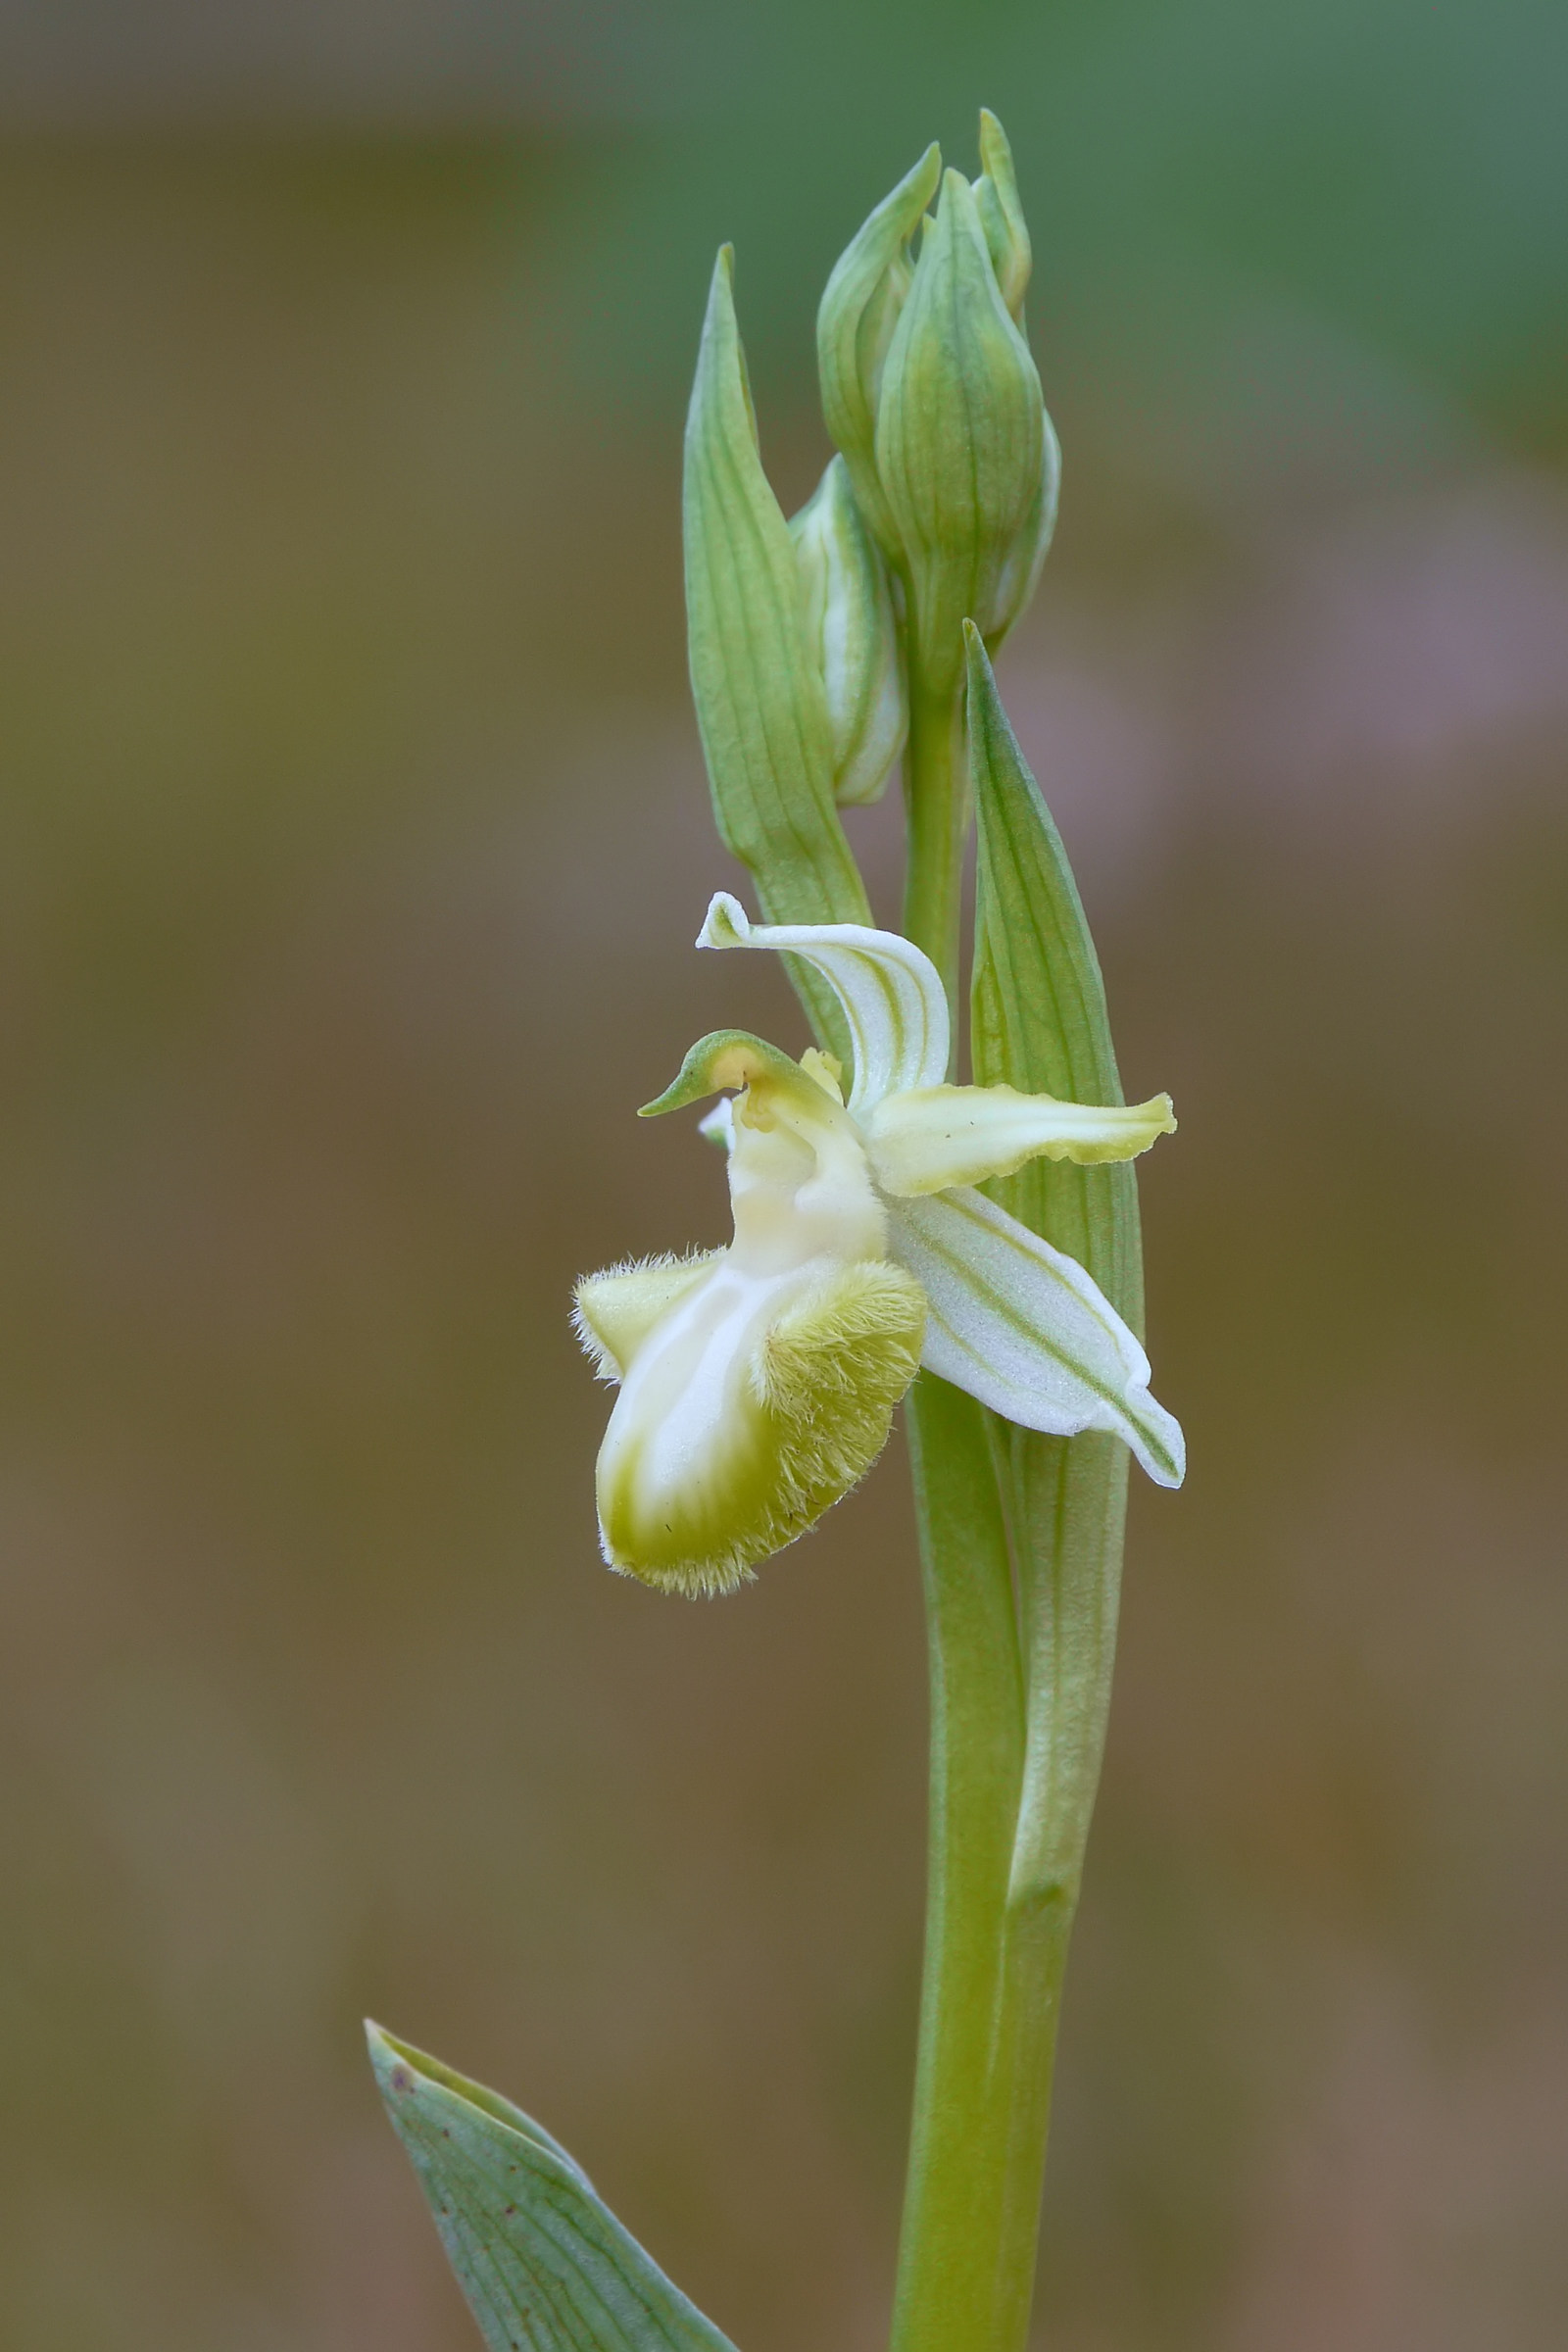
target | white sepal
x=891, y=992
x=1023, y=1328
x=934, y=1136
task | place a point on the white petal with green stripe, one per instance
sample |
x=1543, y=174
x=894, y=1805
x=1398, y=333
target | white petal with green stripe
x=1024, y=1329
x=891, y=992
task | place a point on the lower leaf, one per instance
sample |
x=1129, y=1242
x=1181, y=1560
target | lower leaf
x=544, y=2263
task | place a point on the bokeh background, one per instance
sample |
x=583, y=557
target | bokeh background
x=353, y=834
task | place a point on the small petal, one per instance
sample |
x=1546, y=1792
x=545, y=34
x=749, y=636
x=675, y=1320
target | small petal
x=1023, y=1328
x=826, y=1070
x=934, y=1136
x=891, y=992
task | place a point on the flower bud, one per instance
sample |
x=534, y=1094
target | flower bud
x=854, y=326
x=962, y=444
x=963, y=451
x=852, y=635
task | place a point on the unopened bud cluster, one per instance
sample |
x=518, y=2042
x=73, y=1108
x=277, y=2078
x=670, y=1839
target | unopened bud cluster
x=930, y=392
x=806, y=635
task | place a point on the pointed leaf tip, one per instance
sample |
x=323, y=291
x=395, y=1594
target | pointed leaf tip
x=544, y=2263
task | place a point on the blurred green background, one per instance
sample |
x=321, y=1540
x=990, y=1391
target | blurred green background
x=354, y=836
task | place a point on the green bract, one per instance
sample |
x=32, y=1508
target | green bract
x=758, y=1382
x=761, y=705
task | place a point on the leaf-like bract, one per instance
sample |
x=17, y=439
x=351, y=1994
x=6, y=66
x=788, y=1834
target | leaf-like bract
x=760, y=707
x=1039, y=1022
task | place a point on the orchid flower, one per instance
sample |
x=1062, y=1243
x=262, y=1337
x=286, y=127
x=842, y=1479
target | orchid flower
x=758, y=1382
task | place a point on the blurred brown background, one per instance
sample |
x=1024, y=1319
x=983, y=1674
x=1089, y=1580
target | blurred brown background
x=354, y=832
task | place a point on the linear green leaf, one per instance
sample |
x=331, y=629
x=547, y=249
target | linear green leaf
x=544, y=2263
x=760, y=707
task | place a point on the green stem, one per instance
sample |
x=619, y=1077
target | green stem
x=936, y=799
x=1020, y=1539
x=959, y=2190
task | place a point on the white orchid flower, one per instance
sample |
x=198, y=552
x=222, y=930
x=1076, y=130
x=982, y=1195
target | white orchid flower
x=758, y=1382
